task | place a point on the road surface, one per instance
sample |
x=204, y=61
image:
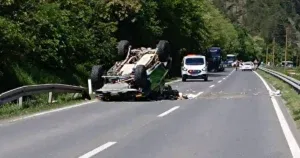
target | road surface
x=232, y=117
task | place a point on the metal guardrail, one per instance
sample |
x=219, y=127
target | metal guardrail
x=287, y=79
x=19, y=93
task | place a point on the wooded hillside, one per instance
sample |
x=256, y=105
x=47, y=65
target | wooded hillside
x=58, y=41
x=269, y=19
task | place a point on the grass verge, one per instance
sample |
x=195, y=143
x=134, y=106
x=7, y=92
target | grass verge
x=288, y=94
x=38, y=104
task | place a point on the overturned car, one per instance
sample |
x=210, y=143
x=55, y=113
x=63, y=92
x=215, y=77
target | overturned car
x=142, y=73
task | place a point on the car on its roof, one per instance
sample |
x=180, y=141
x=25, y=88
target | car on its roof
x=142, y=72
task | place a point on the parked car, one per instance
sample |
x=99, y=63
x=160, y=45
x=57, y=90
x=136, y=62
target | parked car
x=194, y=67
x=141, y=73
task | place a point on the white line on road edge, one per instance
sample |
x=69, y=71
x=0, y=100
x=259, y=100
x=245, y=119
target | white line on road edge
x=169, y=111
x=211, y=86
x=220, y=81
x=52, y=111
x=98, y=150
x=293, y=145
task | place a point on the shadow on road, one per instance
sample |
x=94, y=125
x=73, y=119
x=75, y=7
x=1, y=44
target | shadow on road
x=197, y=80
x=216, y=75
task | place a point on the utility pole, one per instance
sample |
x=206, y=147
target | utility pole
x=267, y=53
x=286, y=45
x=273, y=51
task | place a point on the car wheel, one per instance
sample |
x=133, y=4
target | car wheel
x=96, y=77
x=206, y=78
x=123, y=48
x=169, y=64
x=140, y=76
x=163, y=50
x=183, y=79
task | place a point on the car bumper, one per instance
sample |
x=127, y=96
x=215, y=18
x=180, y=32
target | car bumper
x=189, y=76
x=247, y=69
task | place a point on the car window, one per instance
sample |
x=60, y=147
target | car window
x=194, y=61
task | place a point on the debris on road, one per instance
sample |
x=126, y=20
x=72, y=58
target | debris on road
x=275, y=93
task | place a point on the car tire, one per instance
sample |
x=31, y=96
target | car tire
x=123, y=48
x=163, y=50
x=183, y=79
x=206, y=78
x=140, y=77
x=169, y=64
x=96, y=77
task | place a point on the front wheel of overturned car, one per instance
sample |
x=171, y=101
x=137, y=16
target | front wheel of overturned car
x=163, y=50
x=140, y=76
x=123, y=48
x=96, y=77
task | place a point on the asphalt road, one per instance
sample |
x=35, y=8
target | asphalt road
x=232, y=117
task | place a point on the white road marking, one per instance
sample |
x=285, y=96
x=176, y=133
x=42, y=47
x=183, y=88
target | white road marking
x=169, y=111
x=211, y=86
x=98, y=150
x=173, y=81
x=293, y=145
x=224, y=78
x=197, y=95
x=51, y=111
x=220, y=81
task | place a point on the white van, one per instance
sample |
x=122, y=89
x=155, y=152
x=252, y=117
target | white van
x=194, y=67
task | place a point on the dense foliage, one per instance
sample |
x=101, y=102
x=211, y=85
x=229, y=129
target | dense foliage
x=269, y=19
x=59, y=40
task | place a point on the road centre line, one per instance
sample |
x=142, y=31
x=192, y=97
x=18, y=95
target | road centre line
x=292, y=143
x=211, y=86
x=220, y=81
x=168, y=112
x=98, y=150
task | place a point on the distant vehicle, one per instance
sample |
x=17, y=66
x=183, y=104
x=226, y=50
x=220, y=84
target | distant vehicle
x=247, y=66
x=230, y=60
x=194, y=67
x=287, y=63
x=215, y=60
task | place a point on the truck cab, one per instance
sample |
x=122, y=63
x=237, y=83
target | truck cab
x=215, y=59
x=230, y=60
x=194, y=67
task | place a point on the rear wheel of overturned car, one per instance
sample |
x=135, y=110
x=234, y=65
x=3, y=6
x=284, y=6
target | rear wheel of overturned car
x=163, y=50
x=169, y=64
x=140, y=77
x=123, y=48
x=96, y=77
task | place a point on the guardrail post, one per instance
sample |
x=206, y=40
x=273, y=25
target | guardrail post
x=75, y=95
x=50, y=97
x=90, y=86
x=20, y=101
